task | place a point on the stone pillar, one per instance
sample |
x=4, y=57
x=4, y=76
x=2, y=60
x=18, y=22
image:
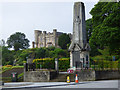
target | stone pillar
x=44, y=38
x=55, y=37
x=79, y=26
x=29, y=60
x=25, y=70
x=56, y=65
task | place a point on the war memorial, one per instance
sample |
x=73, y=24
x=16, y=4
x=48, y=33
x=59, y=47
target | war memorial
x=79, y=48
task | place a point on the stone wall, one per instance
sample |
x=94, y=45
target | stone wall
x=86, y=75
x=107, y=74
x=39, y=76
x=98, y=75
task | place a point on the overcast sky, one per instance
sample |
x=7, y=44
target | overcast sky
x=26, y=17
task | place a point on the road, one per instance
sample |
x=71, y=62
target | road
x=93, y=84
x=89, y=85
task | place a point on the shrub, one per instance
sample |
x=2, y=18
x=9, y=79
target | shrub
x=8, y=66
x=106, y=64
x=49, y=63
x=64, y=64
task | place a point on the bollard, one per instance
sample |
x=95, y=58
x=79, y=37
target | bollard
x=68, y=79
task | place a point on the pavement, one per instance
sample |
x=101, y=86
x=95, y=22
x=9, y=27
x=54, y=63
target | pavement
x=17, y=85
x=87, y=84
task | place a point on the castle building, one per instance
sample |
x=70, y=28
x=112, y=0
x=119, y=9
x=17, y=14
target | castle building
x=44, y=39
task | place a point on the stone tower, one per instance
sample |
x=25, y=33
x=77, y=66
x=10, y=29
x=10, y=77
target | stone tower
x=44, y=38
x=37, y=33
x=79, y=48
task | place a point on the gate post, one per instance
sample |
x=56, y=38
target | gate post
x=56, y=65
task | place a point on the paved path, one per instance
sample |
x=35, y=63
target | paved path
x=89, y=84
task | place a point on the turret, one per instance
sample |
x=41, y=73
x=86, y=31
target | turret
x=44, y=38
x=37, y=33
x=55, y=36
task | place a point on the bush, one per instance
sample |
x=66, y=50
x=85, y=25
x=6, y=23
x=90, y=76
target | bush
x=64, y=64
x=105, y=64
x=49, y=63
x=8, y=66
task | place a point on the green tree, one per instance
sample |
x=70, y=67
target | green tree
x=23, y=55
x=57, y=52
x=63, y=40
x=89, y=28
x=2, y=42
x=106, y=26
x=7, y=56
x=18, y=41
x=40, y=53
x=51, y=48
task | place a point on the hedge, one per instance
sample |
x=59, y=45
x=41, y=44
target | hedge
x=105, y=64
x=49, y=63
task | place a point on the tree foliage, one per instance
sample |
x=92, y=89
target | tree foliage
x=106, y=26
x=41, y=53
x=2, y=42
x=89, y=28
x=18, y=41
x=7, y=56
x=63, y=40
x=35, y=53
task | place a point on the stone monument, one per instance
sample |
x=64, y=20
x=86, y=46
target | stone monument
x=79, y=48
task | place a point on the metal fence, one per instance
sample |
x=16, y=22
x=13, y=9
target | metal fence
x=105, y=65
x=94, y=65
x=33, y=67
x=29, y=66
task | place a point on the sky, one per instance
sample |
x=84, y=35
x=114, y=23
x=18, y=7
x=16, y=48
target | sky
x=25, y=17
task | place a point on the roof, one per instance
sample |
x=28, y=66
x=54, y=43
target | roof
x=77, y=47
